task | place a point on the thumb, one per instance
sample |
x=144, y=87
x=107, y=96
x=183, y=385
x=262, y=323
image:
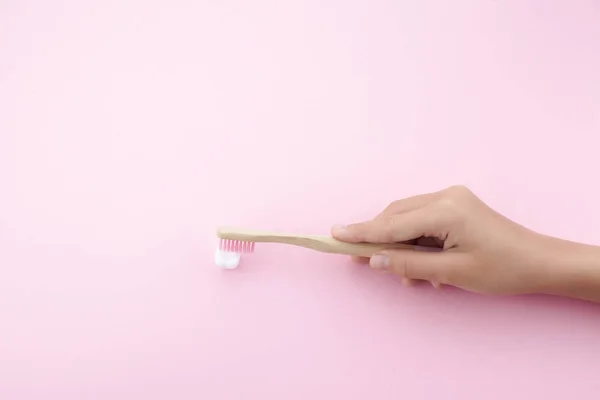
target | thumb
x=436, y=266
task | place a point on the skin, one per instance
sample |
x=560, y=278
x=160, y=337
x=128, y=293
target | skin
x=464, y=243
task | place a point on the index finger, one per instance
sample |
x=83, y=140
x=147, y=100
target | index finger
x=409, y=204
x=390, y=229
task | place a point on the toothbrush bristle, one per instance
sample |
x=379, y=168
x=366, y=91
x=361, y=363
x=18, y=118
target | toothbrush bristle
x=236, y=246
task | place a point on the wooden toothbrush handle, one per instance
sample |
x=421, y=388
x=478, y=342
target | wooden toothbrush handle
x=324, y=244
x=327, y=244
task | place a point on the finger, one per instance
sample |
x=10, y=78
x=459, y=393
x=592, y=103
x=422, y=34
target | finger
x=409, y=204
x=397, y=207
x=437, y=267
x=393, y=228
x=405, y=281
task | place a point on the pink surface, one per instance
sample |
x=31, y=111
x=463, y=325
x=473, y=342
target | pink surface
x=130, y=130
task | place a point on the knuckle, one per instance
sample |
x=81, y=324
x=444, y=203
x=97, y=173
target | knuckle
x=396, y=204
x=389, y=221
x=405, y=270
x=458, y=192
x=392, y=205
x=401, y=266
x=388, y=227
x=445, y=208
x=455, y=198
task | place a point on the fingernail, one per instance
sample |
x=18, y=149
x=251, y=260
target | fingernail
x=380, y=261
x=339, y=227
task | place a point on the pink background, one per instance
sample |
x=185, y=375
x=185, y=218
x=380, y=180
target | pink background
x=130, y=129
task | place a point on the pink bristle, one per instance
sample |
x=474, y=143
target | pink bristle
x=236, y=246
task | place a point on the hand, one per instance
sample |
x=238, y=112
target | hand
x=478, y=249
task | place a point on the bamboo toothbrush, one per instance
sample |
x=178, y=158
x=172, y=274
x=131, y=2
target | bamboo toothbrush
x=233, y=242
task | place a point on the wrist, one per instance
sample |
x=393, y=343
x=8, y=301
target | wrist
x=573, y=269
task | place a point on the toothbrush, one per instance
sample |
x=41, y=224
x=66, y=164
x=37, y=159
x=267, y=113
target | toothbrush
x=233, y=242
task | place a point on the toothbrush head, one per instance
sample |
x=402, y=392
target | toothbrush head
x=236, y=246
x=229, y=252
